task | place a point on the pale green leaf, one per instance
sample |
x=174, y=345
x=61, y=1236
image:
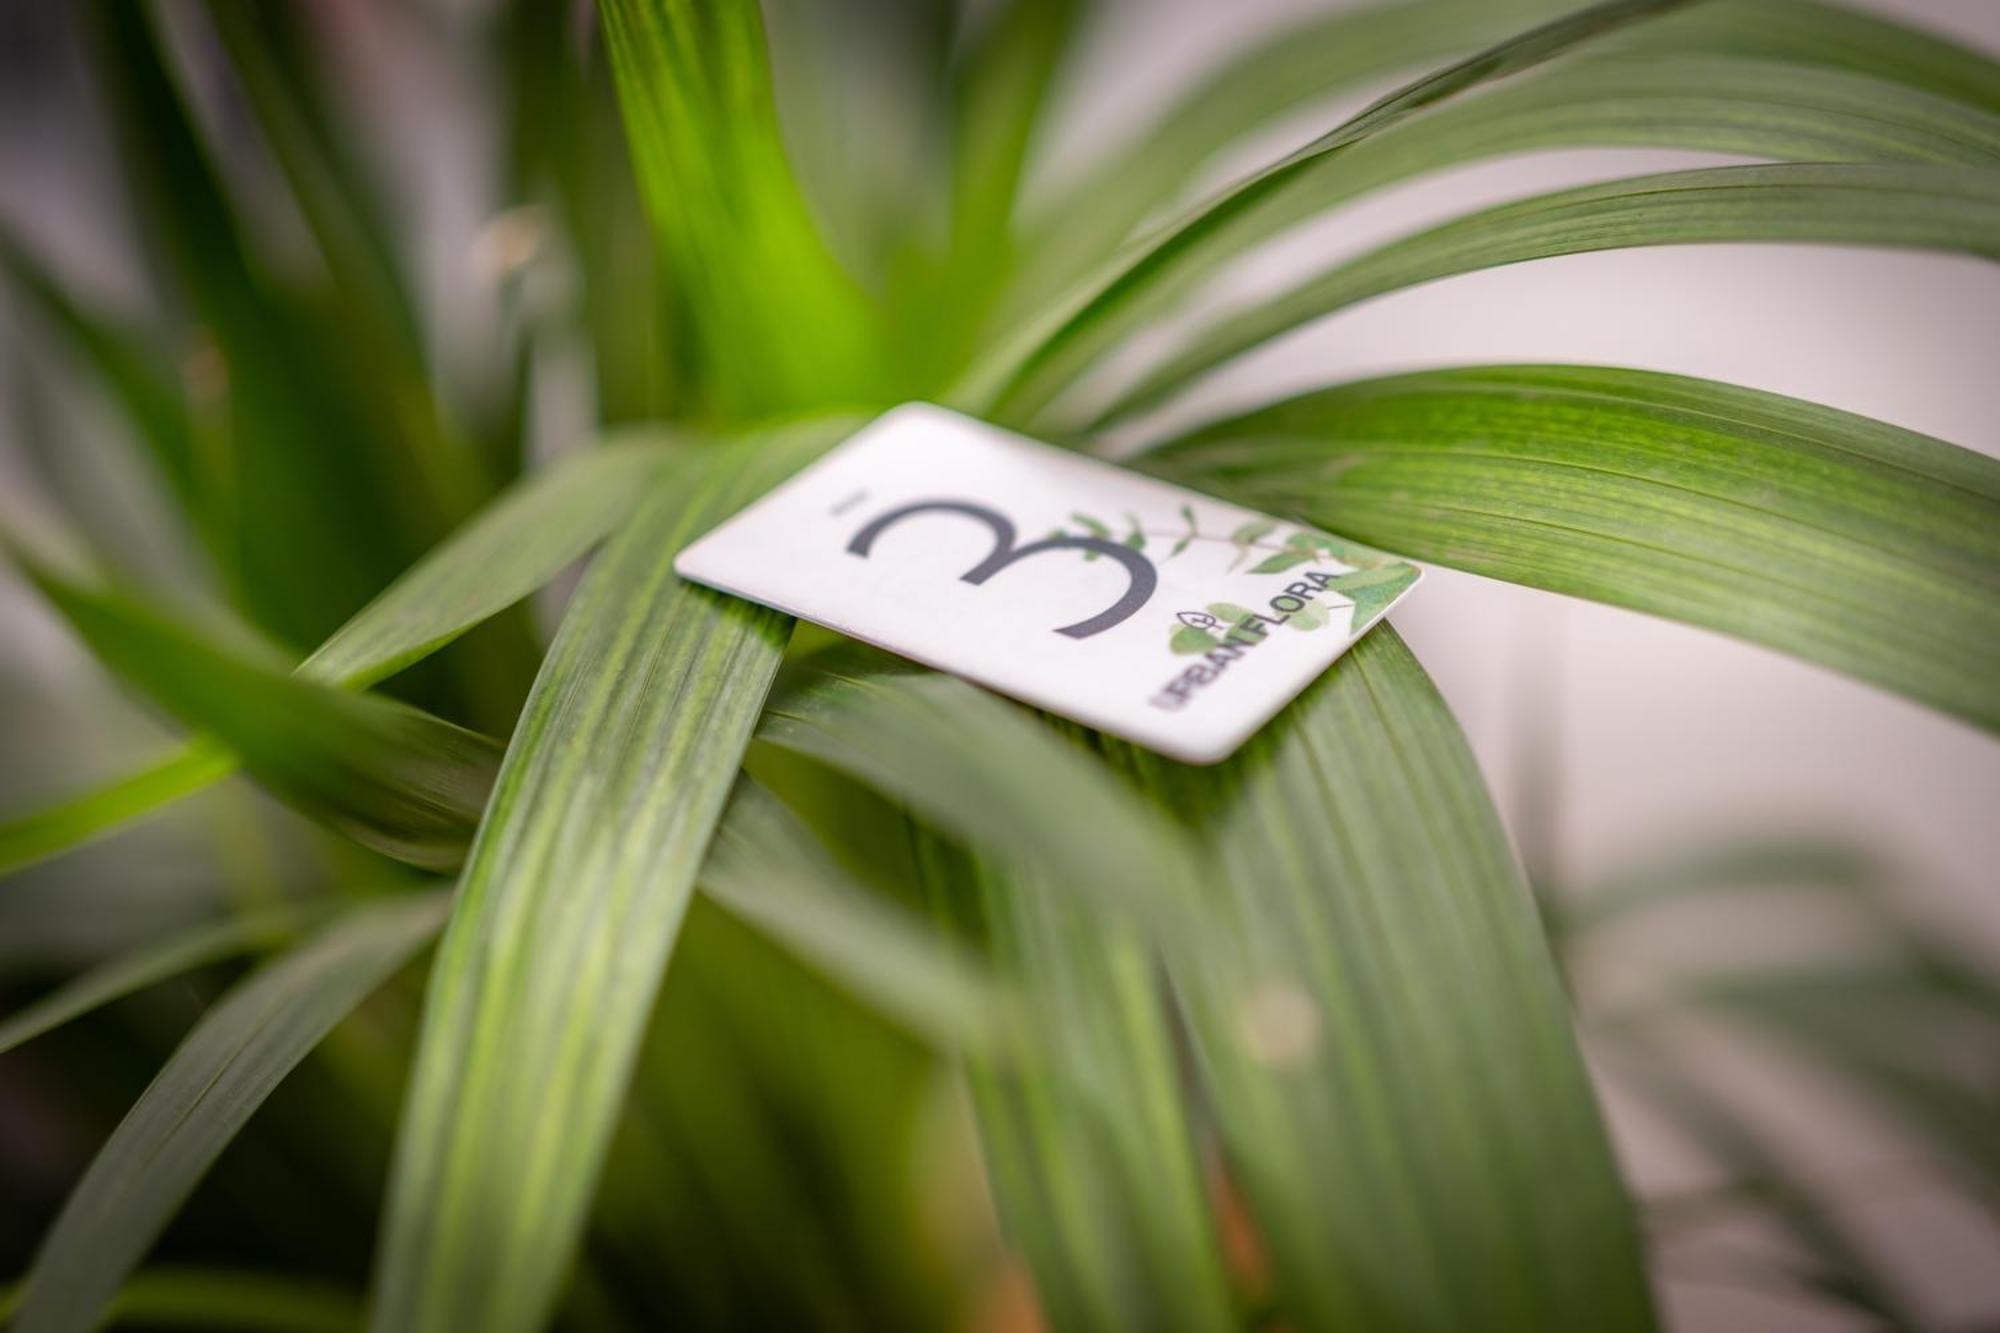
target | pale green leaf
x=39, y=834
x=1830, y=108
x=1302, y=62
x=514, y=546
x=568, y=908
x=229, y=1064
x=1020, y=374
x=1872, y=550
x=1923, y=207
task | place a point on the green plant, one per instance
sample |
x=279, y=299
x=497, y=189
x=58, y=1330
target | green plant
x=1280, y=1043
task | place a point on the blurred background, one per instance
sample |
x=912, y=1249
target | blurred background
x=1624, y=751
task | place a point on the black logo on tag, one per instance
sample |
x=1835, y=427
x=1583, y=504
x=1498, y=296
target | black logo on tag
x=1143, y=578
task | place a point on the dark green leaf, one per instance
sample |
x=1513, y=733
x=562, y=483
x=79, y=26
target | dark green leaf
x=517, y=544
x=386, y=774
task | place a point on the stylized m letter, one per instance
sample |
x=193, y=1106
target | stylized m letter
x=1142, y=577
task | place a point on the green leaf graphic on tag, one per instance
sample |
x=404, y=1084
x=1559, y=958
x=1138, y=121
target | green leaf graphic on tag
x=1188, y=640
x=1279, y=563
x=1373, y=589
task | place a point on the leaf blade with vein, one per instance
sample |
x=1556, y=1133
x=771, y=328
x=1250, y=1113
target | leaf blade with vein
x=236, y=1055
x=146, y=966
x=517, y=544
x=1391, y=1060
x=388, y=775
x=1922, y=207
x=616, y=774
x=1017, y=378
x=1842, y=540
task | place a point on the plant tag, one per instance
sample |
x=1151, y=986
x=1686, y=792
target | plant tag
x=1170, y=619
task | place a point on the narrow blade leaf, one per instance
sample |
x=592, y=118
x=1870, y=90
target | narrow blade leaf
x=1087, y=1141
x=1848, y=542
x=768, y=869
x=388, y=775
x=569, y=906
x=1024, y=372
x=1920, y=207
x=237, y=1054
x=183, y=952
x=1391, y=1060
x=513, y=547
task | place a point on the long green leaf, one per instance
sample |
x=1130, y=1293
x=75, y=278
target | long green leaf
x=1391, y=1062
x=1090, y=1152
x=1718, y=104
x=210, y=1087
x=1316, y=58
x=1813, y=83
x=569, y=906
x=1088, y=1140
x=1021, y=374
x=514, y=546
x=767, y=868
x=389, y=775
x=1872, y=550
x=1833, y=36
x=153, y=963
x=75, y=820
x=1291, y=1113
x=775, y=323
x=1923, y=207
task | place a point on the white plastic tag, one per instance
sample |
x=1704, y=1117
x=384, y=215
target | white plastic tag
x=1175, y=621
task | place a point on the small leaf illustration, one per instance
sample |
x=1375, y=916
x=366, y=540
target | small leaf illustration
x=1187, y=512
x=1188, y=640
x=1229, y=612
x=1091, y=525
x=1279, y=563
x=1373, y=589
x=1252, y=531
x=1310, y=616
x=1179, y=546
x=1136, y=539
